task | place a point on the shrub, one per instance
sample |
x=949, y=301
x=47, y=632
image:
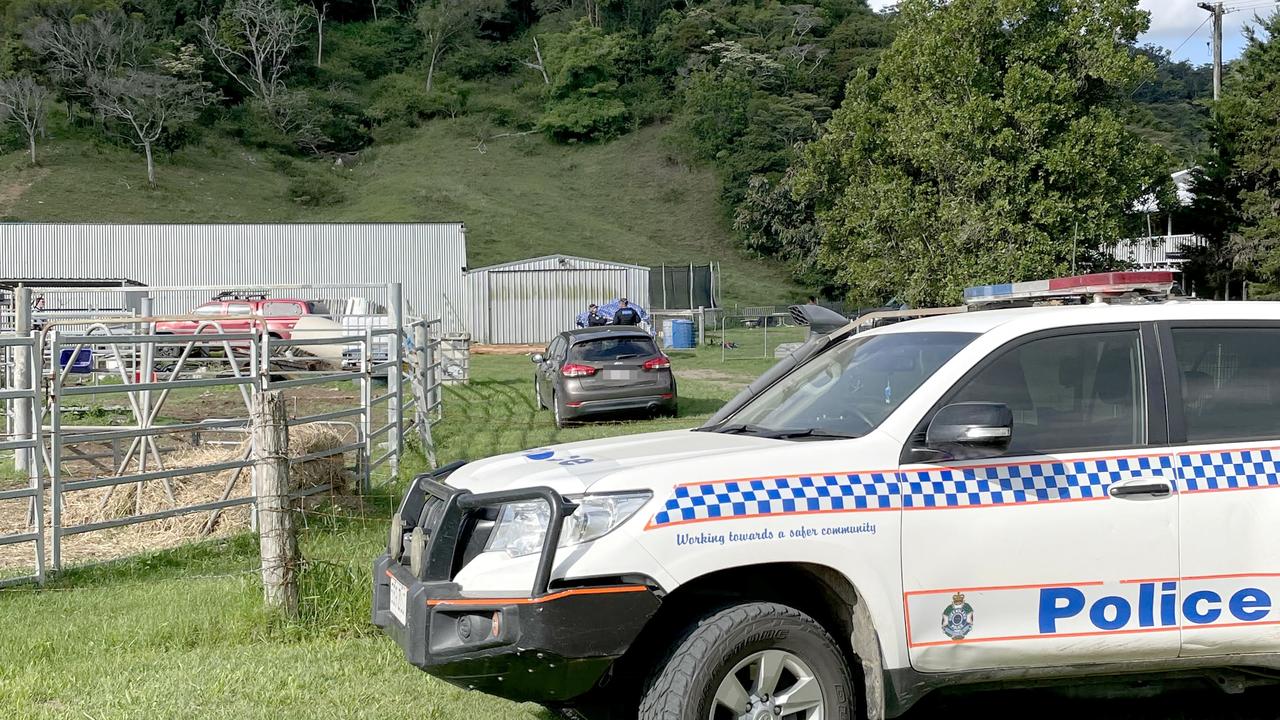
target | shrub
x=374, y=49
x=517, y=107
x=399, y=98
x=481, y=60
x=584, y=117
x=316, y=188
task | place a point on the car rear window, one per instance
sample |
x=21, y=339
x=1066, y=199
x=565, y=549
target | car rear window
x=281, y=308
x=602, y=349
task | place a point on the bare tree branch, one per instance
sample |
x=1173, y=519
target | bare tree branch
x=252, y=41
x=540, y=66
x=25, y=103
x=78, y=50
x=147, y=103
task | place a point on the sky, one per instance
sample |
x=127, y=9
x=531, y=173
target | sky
x=1174, y=21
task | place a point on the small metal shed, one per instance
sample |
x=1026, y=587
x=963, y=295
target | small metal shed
x=529, y=301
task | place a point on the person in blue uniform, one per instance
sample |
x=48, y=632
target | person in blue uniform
x=626, y=315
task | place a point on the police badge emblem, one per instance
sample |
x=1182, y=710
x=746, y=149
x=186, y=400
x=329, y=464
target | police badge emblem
x=957, y=618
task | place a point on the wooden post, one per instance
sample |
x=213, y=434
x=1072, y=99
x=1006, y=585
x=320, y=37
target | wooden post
x=279, y=542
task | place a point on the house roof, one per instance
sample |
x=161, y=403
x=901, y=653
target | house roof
x=1182, y=182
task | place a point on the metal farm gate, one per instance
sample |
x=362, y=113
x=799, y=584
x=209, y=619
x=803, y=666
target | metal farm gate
x=114, y=425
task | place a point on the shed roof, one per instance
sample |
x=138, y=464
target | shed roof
x=45, y=282
x=559, y=257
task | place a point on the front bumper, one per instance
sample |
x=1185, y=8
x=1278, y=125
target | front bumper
x=546, y=649
x=544, y=645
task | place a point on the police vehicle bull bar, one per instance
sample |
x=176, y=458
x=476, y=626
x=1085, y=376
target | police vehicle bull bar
x=436, y=522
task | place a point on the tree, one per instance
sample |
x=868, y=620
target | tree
x=320, y=8
x=79, y=49
x=585, y=66
x=1215, y=213
x=252, y=40
x=25, y=103
x=1250, y=109
x=444, y=22
x=147, y=104
x=984, y=146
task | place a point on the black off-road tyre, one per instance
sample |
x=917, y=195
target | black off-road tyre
x=684, y=685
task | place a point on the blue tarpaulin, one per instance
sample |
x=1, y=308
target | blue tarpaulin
x=606, y=310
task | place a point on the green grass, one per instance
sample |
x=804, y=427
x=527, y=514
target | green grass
x=629, y=200
x=80, y=181
x=182, y=633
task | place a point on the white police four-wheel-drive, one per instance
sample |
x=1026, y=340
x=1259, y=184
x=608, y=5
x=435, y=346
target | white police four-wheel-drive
x=1078, y=483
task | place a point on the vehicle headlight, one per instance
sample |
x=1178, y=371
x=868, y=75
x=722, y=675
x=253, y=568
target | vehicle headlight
x=521, y=526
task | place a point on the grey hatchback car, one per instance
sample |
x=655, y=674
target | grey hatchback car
x=603, y=370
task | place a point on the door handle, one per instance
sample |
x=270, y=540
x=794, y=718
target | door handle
x=1141, y=487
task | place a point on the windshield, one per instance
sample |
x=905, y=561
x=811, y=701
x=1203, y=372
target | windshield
x=848, y=390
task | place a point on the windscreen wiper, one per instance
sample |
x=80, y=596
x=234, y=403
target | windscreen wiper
x=780, y=434
x=811, y=433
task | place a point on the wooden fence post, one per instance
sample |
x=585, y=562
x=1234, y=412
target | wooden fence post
x=279, y=542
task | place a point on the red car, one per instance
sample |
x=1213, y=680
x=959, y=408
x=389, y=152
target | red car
x=280, y=315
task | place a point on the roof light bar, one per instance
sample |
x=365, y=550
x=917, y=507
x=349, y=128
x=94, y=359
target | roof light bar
x=1110, y=283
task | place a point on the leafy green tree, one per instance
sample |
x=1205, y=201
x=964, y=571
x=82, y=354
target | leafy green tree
x=1215, y=213
x=985, y=149
x=1251, y=109
x=586, y=68
x=444, y=23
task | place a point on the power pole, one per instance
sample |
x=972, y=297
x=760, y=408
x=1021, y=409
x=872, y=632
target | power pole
x=1217, y=10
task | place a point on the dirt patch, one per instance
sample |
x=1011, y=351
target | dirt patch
x=506, y=349
x=219, y=403
x=714, y=376
x=12, y=191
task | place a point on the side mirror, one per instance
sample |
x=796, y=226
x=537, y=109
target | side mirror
x=538, y=359
x=971, y=430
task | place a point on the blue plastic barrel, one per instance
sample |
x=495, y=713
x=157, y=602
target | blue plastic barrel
x=682, y=334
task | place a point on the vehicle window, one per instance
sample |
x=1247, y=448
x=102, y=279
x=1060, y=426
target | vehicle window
x=280, y=309
x=1228, y=381
x=316, y=307
x=603, y=349
x=211, y=309
x=239, y=308
x=1073, y=392
x=556, y=351
x=851, y=388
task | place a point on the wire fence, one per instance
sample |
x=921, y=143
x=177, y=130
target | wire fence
x=754, y=335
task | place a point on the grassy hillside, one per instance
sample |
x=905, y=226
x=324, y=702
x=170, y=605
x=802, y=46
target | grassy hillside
x=628, y=200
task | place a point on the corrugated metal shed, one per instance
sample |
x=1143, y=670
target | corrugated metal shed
x=429, y=259
x=529, y=301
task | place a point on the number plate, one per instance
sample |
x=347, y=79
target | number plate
x=619, y=374
x=399, y=595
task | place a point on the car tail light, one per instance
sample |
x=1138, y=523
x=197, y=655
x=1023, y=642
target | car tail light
x=575, y=370
x=662, y=362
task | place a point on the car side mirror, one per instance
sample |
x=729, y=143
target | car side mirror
x=538, y=359
x=970, y=430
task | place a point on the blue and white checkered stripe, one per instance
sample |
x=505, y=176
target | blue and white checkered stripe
x=979, y=486
x=779, y=496
x=1027, y=483
x=1228, y=470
